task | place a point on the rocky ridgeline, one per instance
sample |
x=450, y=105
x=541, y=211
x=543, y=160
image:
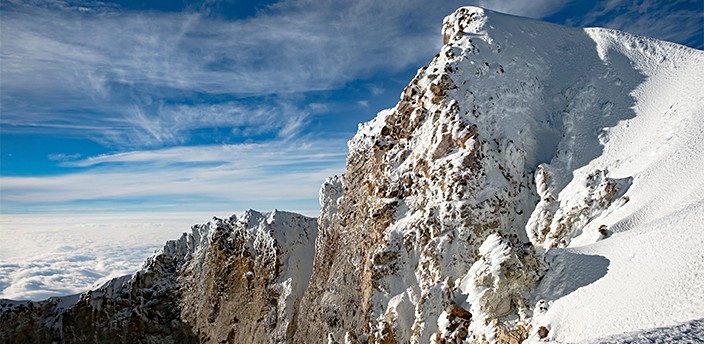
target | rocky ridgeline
x=434, y=234
x=236, y=280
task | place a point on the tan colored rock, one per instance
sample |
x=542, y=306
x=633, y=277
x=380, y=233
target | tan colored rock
x=459, y=312
x=542, y=332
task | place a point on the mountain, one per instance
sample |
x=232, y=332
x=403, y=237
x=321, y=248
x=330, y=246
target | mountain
x=238, y=279
x=534, y=182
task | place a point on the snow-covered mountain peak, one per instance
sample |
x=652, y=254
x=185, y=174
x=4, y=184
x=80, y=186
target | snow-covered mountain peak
x=534, y=182
x=466, y=20
x=536, y=132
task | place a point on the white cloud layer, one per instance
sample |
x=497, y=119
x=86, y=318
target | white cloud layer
x=50, y=255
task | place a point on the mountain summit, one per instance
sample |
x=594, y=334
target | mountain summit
x=534, y=182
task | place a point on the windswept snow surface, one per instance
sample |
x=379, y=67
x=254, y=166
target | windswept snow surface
x=648, y=272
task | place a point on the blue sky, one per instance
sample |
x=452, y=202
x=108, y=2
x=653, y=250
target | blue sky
x=172, y=106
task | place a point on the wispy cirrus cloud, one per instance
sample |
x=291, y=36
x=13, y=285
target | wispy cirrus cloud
x=64, y=157
x=256, y=154
x=261, y=175
x=140, y=124
x=533, y=9
x=676, y=21
x=131, y=78
x=122, y=77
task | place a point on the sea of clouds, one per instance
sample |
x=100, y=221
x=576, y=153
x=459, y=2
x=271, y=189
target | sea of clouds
x=45, y=255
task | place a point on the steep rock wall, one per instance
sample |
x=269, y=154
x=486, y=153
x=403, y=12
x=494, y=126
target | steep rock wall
x=426, y=183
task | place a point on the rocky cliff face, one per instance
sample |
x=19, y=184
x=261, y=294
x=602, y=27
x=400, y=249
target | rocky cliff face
x=497, y=152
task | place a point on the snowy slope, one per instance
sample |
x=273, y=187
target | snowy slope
x=648, y=273
x=630, y=110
